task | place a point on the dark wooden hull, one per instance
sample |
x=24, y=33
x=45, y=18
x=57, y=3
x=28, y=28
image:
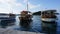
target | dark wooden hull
x=24, y=21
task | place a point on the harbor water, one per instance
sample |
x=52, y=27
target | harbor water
x=36, y=25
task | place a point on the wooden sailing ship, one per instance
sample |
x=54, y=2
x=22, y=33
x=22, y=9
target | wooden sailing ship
x=25, y=16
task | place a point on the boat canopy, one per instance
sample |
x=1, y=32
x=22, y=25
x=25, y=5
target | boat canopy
x=49, y=11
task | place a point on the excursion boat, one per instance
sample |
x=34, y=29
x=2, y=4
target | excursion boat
x=25, y=16
x=7, y=17
x=48, y=16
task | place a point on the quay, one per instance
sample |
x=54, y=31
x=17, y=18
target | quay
x=10, y=31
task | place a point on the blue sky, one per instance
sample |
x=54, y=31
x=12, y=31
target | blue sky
x=16, y=6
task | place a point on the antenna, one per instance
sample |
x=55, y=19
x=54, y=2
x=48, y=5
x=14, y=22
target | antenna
x=11, y=10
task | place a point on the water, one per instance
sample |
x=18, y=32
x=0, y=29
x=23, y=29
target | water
x=36, y=26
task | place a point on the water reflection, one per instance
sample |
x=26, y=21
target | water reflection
x=49, y=28
x=25, y=25
x=5, y=23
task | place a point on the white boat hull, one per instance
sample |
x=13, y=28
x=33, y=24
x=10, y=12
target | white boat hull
x=48, y=19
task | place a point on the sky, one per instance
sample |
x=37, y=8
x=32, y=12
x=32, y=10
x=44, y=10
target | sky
x=16, y=6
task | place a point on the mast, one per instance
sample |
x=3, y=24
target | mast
x=27, y=5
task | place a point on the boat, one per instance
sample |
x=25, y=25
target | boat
x=7, y=18
x=48, y=16
x=25, y=16
x=12, y=17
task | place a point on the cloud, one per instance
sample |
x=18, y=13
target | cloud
x=32, y=6
x=3, y=10
x=25, y=1
x=2, y=1
x=18, y=4
x=8, y=5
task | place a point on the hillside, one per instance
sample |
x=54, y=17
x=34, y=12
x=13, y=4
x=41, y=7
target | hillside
x=37, y=13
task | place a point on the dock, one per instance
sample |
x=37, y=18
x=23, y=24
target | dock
x=10, y=31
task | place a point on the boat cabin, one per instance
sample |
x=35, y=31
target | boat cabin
x=48, y=14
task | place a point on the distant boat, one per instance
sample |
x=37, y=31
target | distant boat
x=8, y=17
x=48, y=16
